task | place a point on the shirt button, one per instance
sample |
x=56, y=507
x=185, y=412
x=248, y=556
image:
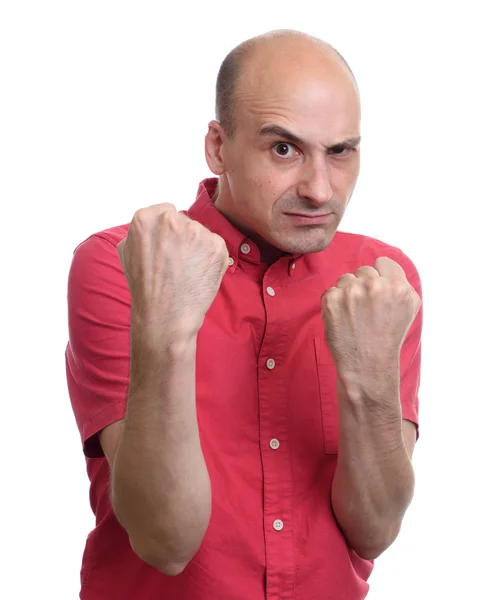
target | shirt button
x=278, y=525
x=231, y=261
x=275, y=444
x=270, y=363
x=293, y=265
x=270, y=291
x=245, y=248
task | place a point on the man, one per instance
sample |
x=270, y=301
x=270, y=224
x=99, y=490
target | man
x=244, y=376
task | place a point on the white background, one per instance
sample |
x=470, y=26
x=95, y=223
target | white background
x=103, y=109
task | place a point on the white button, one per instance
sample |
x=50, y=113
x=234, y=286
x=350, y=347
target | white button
x=245, y=248
x=293, y=265
x=270, y=291
x=275, y=444
x=270, y=363
x=278, y=525
x=231, y=261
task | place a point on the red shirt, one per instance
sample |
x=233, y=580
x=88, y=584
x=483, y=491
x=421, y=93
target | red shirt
x=267, y=411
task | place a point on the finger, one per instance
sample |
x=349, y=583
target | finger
x=389, y=268
x=120, y=248
x=163, y=207
x=177, y=218
x=366, y=272
x=346, y=280
x=146, y=218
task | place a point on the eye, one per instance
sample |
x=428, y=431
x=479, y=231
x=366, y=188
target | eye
x=341, y=150
x=284, y=149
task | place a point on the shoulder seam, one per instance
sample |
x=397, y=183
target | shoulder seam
x=105, y=238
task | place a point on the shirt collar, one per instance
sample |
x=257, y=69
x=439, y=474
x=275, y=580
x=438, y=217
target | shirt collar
x=204, y=211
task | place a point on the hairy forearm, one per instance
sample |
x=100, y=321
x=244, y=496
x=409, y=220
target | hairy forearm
x=374, y=480
x=160, y=484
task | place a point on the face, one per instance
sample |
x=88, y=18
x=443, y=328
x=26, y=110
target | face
x=287, y=175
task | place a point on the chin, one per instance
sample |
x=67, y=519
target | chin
x=307, y=246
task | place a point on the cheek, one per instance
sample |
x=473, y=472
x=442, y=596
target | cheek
x=258, y=185
x=272, y=180
x=269, y=189
x=345, y=178
x=255, y=181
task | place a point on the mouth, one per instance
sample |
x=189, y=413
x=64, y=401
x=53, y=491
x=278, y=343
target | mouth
x=310, y=219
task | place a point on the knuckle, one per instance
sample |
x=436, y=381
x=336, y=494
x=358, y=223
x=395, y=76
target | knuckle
x=354, y=290
x=402, y=289
x=366, y=270
x=331, y=297
x=192, y=226
x=342, y=279
x=140, y=217
x=166, y=207
x=145, y=217
x=374, y=286
x=168, y=216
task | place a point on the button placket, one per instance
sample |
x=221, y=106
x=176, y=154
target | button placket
x=277, y=483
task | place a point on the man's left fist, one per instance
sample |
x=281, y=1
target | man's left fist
x=366, y=317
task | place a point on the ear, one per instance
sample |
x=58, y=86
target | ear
x=214, y=141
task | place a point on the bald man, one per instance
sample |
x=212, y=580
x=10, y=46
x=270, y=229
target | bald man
x=244, y=375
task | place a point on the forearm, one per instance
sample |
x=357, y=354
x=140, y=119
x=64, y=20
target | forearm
x=160, y=484
x=374, y=480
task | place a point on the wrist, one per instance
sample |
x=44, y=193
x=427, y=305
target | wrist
x=377, y=386
x=157, y=343
x=172, y=328
x=367, y=408
x=362, y=369
x=155, y=360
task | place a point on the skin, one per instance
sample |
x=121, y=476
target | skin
x=264, y=176
x=160, y=486
x=295, y=150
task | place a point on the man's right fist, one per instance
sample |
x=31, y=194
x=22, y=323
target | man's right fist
x=174, y=267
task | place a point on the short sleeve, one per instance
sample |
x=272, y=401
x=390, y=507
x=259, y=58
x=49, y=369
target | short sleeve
x=98, y=351
x=411, y=348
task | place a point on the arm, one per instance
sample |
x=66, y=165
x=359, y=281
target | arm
x=367, y=318
x=374, y=480
x=161, y=490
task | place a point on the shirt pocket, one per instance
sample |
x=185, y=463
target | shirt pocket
x=327, y=381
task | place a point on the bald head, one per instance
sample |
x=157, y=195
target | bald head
x=277, y=54
x=286, y=145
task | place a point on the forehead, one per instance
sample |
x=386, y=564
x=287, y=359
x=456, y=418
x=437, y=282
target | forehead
x=317, y=99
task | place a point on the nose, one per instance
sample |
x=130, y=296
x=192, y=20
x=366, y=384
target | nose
x=315, y=183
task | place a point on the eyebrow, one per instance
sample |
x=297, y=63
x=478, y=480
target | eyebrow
x=281, y=132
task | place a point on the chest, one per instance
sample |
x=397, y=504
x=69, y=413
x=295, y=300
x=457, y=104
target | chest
x=265, y=377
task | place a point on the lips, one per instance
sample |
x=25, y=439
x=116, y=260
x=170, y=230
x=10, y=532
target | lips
x=309, y=216
x=310, y=219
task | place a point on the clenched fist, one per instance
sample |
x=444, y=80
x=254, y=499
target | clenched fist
x=174, y=267
x=366, y=317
